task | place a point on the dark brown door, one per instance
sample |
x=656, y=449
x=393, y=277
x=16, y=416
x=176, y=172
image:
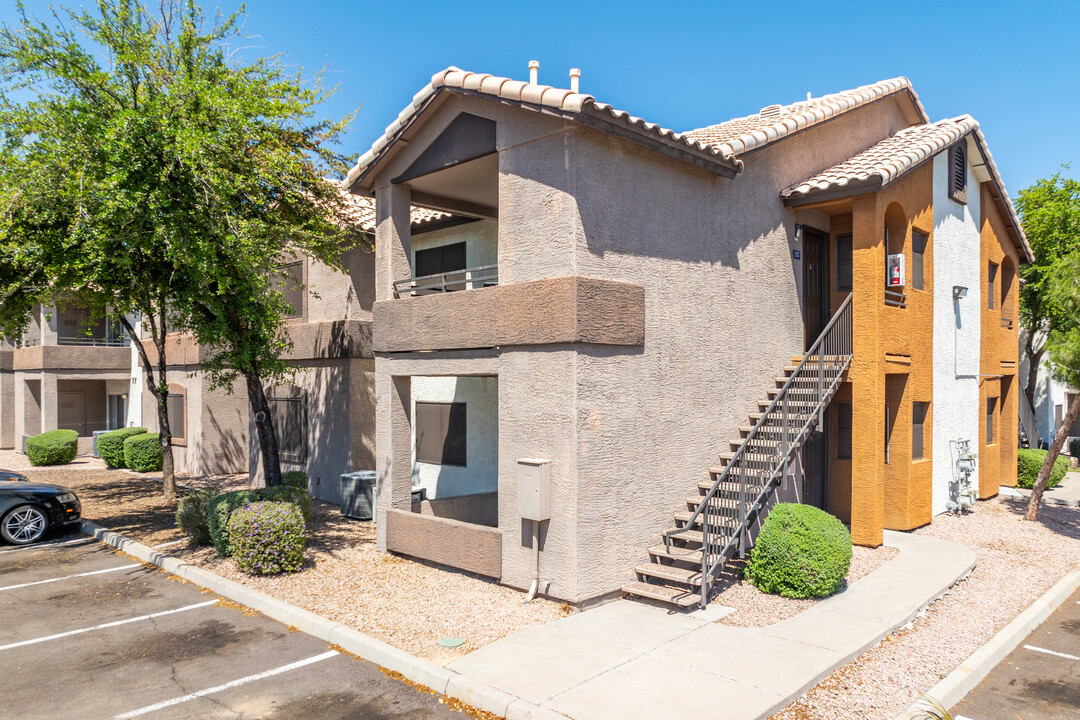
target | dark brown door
x=815, y=460
x=815, y=262
x=71, y=411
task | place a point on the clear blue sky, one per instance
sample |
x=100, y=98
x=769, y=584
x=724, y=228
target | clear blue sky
x=1013, y=65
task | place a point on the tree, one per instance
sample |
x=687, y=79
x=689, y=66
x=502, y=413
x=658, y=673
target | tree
x=1050, y=211
x=167, y=179
x=1063, y=347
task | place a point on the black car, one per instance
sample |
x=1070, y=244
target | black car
x=28, y=509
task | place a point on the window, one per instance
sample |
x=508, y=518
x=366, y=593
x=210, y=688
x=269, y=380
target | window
x=958, y=172
x=843, y=262
x=918, y=248
x=843, y=430
x=888, y=433
x=918, y=422
x=991, y=406
x=440, y=433
x=991, y=282
x=291, y=284
x=289, y=415
x=174, y=407
x=442, y=259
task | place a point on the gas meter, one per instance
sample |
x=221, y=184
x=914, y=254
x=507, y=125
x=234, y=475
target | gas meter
x=963, y=469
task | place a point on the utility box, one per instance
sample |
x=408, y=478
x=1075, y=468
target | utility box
x=358, y=495
x=534, y=489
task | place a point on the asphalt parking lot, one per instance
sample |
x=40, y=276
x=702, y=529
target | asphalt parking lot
x=88, y=632
x=1039, y=680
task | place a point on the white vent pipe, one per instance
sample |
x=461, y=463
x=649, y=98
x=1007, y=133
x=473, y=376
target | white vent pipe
x=575, y=75
x=534, y=71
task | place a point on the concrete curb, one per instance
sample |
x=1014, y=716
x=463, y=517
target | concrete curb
x=422, y=672
x=971, y=672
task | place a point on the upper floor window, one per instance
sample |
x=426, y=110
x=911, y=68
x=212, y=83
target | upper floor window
x=991, y=285
x=918, y=250
x=441, y=259
x=844, y=262
x=290, y=283
x=958, y=172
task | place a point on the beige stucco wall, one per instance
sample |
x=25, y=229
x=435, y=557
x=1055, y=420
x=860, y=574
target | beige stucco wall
x=7, y=400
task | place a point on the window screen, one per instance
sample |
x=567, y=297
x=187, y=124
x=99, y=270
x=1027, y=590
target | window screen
x=291, y=285
x=440, y=433
x=843, y=430
x=991, y=283
x=843, y=262
x=174, y=406
x=290, y=426
x=442, y=259
x=918, y=249
x=918, y=422
x=991, y=406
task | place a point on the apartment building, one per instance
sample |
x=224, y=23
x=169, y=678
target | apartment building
x=814, y=302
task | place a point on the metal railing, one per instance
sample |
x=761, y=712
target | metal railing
x=469, y=279
x=94, y=341
x=895, y=299
x=740, y=490
x=1006, y=322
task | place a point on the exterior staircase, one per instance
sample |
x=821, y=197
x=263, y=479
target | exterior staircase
x=716, y=524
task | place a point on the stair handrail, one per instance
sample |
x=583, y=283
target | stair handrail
x=783, y=457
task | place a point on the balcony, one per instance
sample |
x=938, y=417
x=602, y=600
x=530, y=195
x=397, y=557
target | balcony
x=453, y=281
x=89, y=341
x=895, y=299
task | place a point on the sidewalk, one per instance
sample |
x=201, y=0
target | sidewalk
x=1066, y=493
x=627, y=659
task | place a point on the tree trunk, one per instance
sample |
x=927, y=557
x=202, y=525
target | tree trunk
x=1051, y=456
x=1034, y=358
x=264, y=427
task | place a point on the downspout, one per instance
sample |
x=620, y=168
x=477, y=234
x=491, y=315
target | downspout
x=536, y=562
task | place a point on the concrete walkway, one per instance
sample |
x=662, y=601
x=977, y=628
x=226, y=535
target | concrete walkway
x=1066, y=493
x=629, y=660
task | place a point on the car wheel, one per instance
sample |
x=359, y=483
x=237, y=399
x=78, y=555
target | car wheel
x=24, y=525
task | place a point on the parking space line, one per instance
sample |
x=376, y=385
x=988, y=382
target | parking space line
x=103, y=626
x=70, y=577
x=48, y=544
x=227, y=686
x=1067, y=656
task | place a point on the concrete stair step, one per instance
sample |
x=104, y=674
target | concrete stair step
x=683, y=516
x=691, y=536
x=676, y=554
x=671, y=573
x=679, y=597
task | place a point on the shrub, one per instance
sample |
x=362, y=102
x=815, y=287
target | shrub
x=1029, y=462
x=191, y=515
x=56, y=447
x=222, y=506
x=295, y=478
x=142, y=453
x=801, y=552
x=1074, y=447
x=111, y=445
x=267, y=537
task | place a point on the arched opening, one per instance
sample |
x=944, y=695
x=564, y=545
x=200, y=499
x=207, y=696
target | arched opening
x=896, y=231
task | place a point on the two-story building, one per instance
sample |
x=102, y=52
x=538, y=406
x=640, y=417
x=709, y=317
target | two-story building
x=813, y=302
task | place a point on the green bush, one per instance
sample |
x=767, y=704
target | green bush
x=191, y=515
x=801, y=552
x=1074, y=447
x=295, y=478
x=56, y=447
x=267, y=538
x=222, y=506
x=1029, y=462
x=111, y=445
x=142, y=453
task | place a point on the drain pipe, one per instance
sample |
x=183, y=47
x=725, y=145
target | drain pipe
x=536, y=562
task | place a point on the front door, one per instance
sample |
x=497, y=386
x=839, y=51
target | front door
x=71, y=412
x=815, y=462
x=815, y=262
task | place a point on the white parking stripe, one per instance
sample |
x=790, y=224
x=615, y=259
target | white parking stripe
x=69, y=577
x=69, y=633
x=226, y=686
x=48, y=544
x=1067, y=656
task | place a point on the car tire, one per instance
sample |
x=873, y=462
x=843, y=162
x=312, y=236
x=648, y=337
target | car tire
x=24, y=525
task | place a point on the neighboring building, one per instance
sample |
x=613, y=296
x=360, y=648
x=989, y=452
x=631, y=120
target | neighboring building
x=629, y=294
x=70, y=370
x=1052, y=400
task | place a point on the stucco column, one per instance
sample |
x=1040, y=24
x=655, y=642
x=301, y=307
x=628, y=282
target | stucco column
x=49, y=402
x=7, y=401
x=393, y=239
x=867, y=374
x=393, y=445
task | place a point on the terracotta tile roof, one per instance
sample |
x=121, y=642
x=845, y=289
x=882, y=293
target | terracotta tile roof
x=362, y=212
x=573, y=105
x=887, y=160
x=741, y=135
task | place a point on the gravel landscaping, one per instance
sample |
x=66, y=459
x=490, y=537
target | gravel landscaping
x=18, y=462
x=1017, y=562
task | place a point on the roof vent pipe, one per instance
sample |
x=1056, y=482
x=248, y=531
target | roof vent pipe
x=534, y=71
x=575, y=75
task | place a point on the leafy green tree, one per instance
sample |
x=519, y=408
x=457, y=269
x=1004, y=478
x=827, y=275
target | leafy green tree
x=1050, y=210
x=146, y=168
x=1063, y=347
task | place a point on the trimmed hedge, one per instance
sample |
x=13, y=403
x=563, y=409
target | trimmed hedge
x=801, y=552
x=56, y=447
x=222, y=506
x=192, y=515
x=267, y=538
x=142, y=453
x=1030, y=462
x=295, y=478
x=110, y=445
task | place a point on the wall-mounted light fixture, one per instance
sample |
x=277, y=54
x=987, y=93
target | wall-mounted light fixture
x=798, y=231
x=959, y=292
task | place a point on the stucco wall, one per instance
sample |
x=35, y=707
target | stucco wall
x=7, y=401
x=481, y=398
x=957, y=327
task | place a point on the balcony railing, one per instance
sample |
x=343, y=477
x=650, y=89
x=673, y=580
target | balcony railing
x=94, y=341
x=895, y=299
x=469, y=279
x=1006, y=322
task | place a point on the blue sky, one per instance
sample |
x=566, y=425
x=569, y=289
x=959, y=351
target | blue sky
x=683, y=65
